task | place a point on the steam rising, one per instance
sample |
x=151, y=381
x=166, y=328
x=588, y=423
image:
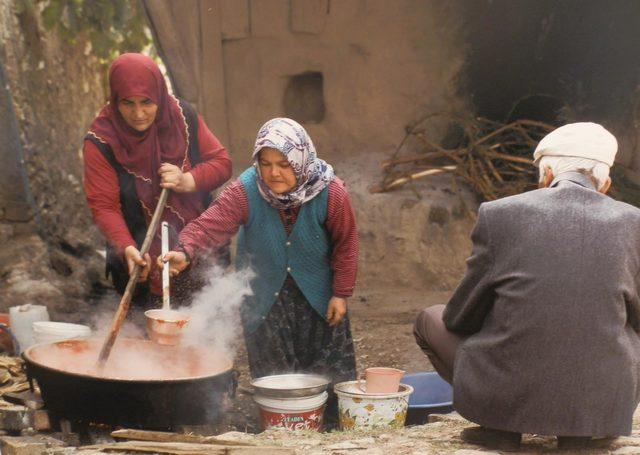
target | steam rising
x=214, y=313
x=102, y=317
x=207, y=345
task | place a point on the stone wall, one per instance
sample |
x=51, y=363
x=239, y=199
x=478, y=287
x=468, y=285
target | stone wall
x=48, y=255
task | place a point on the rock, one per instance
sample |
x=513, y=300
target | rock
x=345, y=445
x=15, y=418
x=451, y=417
x=236, y=436
x=6, y=232
x=29, y=288
x=472, y=452
x=364, y=441
x=626, y=450
x=628, y=441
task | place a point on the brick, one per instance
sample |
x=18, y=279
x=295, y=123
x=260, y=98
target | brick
x=41, y=420
x=27, y=445
x=15, y=418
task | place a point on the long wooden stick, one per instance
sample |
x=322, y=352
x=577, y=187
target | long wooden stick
x=408, y=178
x=162, y=436
x=125, y=301
x=422, y=157
x=183, y=448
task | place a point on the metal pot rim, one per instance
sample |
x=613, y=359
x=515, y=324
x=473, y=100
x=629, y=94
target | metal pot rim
x=29, y=360
x=298, y=392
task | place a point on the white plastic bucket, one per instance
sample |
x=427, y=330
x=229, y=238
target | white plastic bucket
x=361, y=410
x=50, y=332
x=21, y=319
x=292, y=413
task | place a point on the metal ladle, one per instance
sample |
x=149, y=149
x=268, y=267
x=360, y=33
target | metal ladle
x=165, y=326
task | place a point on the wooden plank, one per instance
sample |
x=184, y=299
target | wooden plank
x=180, y=448
x=177, y=39
x=235, y=19
x=163, y=436
x=14, y=198
x=27, y=398
x=309, y=16
x=159, y=447
x=212, y=87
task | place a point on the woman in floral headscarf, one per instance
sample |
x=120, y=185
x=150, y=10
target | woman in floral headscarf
x=298, y=234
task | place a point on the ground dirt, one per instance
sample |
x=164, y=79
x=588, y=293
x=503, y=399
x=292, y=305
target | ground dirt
x=382, y=321
x=382, y=328
x=381, y=324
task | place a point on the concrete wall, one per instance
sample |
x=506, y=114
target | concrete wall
x=382, y=64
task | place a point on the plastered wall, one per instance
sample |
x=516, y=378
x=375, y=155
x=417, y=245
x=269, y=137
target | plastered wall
x=382, y=63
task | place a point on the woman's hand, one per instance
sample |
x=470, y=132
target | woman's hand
x=132, y=256
x=173, y=178
x=177, y=262
x=336, y=310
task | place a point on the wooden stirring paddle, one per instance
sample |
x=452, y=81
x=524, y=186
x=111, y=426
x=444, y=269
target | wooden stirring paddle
x=125, y=301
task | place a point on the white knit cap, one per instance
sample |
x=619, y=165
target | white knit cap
x=580, y=140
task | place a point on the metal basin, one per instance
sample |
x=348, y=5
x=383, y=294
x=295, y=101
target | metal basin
x=295, y=385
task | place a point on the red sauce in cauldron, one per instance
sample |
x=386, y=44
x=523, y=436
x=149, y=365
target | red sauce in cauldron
x=131, y=359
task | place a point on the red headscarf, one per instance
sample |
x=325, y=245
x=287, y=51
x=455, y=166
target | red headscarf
x=142, y=153
x=164, y=141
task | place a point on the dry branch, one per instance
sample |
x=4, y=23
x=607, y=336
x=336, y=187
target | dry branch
x=402, y=180
x=493, y=158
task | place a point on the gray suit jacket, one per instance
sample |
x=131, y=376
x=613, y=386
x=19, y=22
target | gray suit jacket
x=551, y=311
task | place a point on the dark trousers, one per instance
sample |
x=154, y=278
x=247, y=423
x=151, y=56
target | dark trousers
x=438, y=343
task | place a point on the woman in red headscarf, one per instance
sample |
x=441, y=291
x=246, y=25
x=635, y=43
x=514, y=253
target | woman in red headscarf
x=144, y=140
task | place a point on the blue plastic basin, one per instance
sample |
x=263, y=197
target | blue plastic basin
x=431, y=395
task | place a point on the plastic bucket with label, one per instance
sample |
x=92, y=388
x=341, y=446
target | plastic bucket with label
x=292, y=413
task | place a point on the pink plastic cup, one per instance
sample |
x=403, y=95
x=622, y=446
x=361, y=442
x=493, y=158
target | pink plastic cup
x=381, y=380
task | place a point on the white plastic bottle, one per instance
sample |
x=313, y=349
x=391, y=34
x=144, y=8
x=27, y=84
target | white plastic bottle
x=21, y=319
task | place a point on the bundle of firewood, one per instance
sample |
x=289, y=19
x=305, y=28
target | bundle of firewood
x=12, y=376
x=493, y=158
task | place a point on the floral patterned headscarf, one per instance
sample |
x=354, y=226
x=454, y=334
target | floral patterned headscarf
x=312, y=174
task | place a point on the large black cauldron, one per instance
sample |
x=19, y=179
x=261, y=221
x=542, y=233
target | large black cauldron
x=197, y=392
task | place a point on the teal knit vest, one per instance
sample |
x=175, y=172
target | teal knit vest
x=263, y=245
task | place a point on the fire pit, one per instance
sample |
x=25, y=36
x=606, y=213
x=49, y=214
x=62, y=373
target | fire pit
x=143, y=385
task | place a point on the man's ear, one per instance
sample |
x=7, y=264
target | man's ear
x=605, y=187
x=547, y=178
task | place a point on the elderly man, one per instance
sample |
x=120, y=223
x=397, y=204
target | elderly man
x=541, y=336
